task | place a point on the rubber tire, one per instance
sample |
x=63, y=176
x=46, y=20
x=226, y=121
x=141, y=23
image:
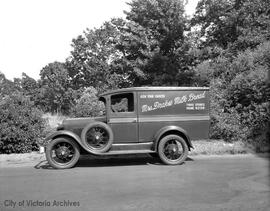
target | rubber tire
x=167, y=161
x=56, y=165
x=97, y=124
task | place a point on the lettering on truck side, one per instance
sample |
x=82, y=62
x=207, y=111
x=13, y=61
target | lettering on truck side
x=177, y=100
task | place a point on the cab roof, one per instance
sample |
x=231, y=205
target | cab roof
x=152, y=88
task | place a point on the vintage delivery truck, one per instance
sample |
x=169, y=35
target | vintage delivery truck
x=160, y=121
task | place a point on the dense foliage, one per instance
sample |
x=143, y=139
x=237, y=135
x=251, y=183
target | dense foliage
x=225, y=46
x=240, y=96
x=233, y=24
x=88, y=104
x=21, y=124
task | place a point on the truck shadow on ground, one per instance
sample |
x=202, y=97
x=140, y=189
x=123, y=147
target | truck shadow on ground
x=109, y=162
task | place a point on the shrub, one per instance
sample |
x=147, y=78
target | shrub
x=248, y=95
x=240, y=99
x=21, y=124
x=88, y=104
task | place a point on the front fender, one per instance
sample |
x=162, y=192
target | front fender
x=71, y=135
x=172, y=129
x=63, y=133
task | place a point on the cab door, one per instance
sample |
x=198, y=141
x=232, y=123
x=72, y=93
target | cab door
x=123, y=117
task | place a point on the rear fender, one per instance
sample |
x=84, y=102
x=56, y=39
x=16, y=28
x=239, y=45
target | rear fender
x=172, y=130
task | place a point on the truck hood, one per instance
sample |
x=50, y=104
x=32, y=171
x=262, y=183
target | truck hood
x=72, y=123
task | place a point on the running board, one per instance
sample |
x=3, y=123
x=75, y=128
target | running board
x=123, y=152
x=132, y=146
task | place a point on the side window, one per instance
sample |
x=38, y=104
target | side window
x=122, y=103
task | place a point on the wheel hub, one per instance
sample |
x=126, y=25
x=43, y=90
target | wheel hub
x=63, y=152
x=172, y=148
x=97, y=137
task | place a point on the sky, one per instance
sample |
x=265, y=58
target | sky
x=34, y=33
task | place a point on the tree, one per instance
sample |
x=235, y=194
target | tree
x=153, y=44
x=30, y=87
x=28, y=84
x=91, y=58
x=55, y=93
x=233, y=24
x=148, y=48
x=6, y=86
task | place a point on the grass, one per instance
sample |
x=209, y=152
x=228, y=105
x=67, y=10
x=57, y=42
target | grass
x=217, y=147
x=20, y=160
x=53, y=120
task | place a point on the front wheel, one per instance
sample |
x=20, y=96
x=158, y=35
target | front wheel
x=172, y=150
x=62, y=153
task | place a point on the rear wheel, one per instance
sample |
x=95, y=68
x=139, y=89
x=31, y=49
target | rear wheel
x=172, y=150
x=62, y=153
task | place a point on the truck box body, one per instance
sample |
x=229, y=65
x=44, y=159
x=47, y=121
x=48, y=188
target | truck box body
x=186, y=107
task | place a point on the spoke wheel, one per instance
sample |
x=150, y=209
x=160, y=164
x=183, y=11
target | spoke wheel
x=172, y=150
x=97, y=137
x=62, y=153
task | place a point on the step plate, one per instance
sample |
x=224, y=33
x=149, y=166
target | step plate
x=132, y=146
x=123, y=152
